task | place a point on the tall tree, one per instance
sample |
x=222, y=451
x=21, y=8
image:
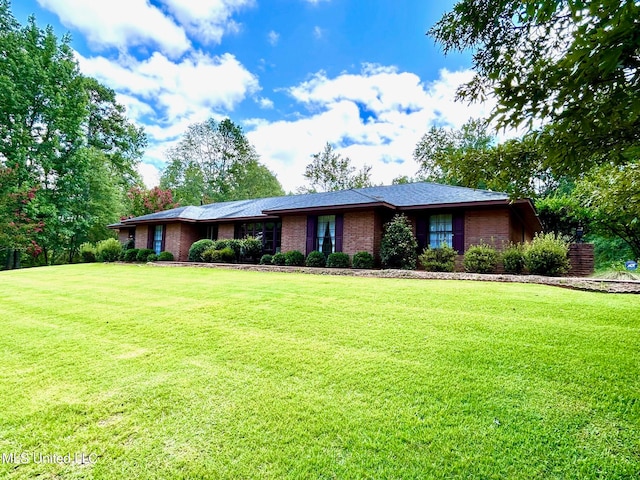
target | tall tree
x=214, y=162
x=329, y=171
x=56, y=137
x=571, y=64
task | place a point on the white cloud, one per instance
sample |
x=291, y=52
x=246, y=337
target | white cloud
x=121, y=24
x=318, y=32
x=208, y=20
x=177, y=90
x=265, y=103
x=273, y=37
x=149, y=173
x=397, y=108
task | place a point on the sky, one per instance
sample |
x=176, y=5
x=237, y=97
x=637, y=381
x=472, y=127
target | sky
x=294, y=74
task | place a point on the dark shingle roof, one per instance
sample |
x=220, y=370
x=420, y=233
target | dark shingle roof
x=399, y=196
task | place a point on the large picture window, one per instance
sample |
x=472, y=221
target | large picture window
x=268, y=232
x=440, y=230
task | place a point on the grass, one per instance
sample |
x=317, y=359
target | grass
x=206, y=373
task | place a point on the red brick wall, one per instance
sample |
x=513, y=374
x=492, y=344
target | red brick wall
x=123, y=235
x=581, y=259
x=178, y=238
x=489, y=226
x=359, y=233
x=226, y=231
x=142, y=236
x=294, y=233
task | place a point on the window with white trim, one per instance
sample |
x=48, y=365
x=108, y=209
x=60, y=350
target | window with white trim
x=326, y=234
x=440, y=230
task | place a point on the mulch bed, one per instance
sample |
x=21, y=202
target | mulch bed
x=576, y=283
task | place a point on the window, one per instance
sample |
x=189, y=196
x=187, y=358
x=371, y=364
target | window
x=440, y=230
x=268, y=232
x=326, y=234
x=211, y=231
x=157, y=239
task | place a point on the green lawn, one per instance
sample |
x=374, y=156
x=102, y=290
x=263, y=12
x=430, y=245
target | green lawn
x=206, y=373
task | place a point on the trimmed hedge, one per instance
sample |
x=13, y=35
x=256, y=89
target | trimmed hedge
x=547, y=255
x=143, y=254
x=165, y=257
x=481, y=258
x=338, y=260
x=266, y=259
x=294, y=258
x=251, y=248
x=279, y=259
x=513, y=258
x=224, y=255
x=316, y=259
x=197, y=248
x=441, y=259
x=130, y=255
x=152, y=257
x=363, y=260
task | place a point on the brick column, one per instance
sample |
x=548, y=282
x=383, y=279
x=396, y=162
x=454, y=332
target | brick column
x=581, y=259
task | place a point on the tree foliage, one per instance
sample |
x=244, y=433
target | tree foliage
x=143, y=201
x=64, y=139
x=571, y=64
x=329, y=171
x=214, y=162
x=611, y=195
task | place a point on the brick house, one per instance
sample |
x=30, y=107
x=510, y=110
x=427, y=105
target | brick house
x=344, y=221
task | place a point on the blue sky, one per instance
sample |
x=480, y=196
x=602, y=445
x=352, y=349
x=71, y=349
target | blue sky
x=295, y=74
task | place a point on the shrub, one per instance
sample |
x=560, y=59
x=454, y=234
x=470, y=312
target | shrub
x=279, y=259
x=513, y=258
x=165, y=257
x=88, y=252
x=294, y=258
x=197, y=248
x=399, y=246
x=130, y=255
x=108, y=250
x=152, y=257
x=481, y=258
x=266, y=259
x=143, y=254
x=316, y=259
x=547, y=255
x=236, y=246
x=224, y=255
x=363, y=260
x=251, y=248
x=441, y=259
x=338, y=260
x=220, y=244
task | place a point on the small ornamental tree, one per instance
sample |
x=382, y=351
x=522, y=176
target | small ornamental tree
x=399, y=245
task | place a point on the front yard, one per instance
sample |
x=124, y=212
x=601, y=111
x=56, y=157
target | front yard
x=127, y=371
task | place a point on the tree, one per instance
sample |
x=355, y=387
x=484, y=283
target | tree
x=214, y=162
x=469, y=157
x=573, y=65
x=399, y=248
x=57, y=139
x=329, y=171
x=143, y=201
x=611, y=194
